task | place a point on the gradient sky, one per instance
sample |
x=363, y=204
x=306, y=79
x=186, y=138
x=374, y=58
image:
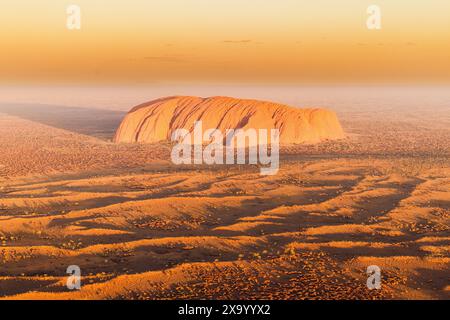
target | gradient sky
x=138, y=41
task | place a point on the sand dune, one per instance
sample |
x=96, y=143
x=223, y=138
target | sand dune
x=168, y=234
x=157, y=120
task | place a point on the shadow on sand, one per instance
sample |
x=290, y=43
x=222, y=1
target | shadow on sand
x=98, y=123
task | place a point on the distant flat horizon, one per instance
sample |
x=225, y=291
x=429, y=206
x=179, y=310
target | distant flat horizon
x=124, y=97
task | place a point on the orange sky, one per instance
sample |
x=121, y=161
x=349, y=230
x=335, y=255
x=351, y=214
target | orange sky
x=138, y=41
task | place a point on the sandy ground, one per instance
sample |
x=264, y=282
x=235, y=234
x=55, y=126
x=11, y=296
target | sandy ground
x=141, y=228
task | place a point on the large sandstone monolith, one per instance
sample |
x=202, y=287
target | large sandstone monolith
x=156, y=120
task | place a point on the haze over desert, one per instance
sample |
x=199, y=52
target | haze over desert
x=140, y=227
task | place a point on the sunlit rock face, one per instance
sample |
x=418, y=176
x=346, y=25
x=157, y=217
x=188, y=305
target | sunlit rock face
x=156, y=120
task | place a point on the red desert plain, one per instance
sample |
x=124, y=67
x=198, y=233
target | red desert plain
x=364, y=179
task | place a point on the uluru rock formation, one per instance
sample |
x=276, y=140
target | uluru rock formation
x=156, y=120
